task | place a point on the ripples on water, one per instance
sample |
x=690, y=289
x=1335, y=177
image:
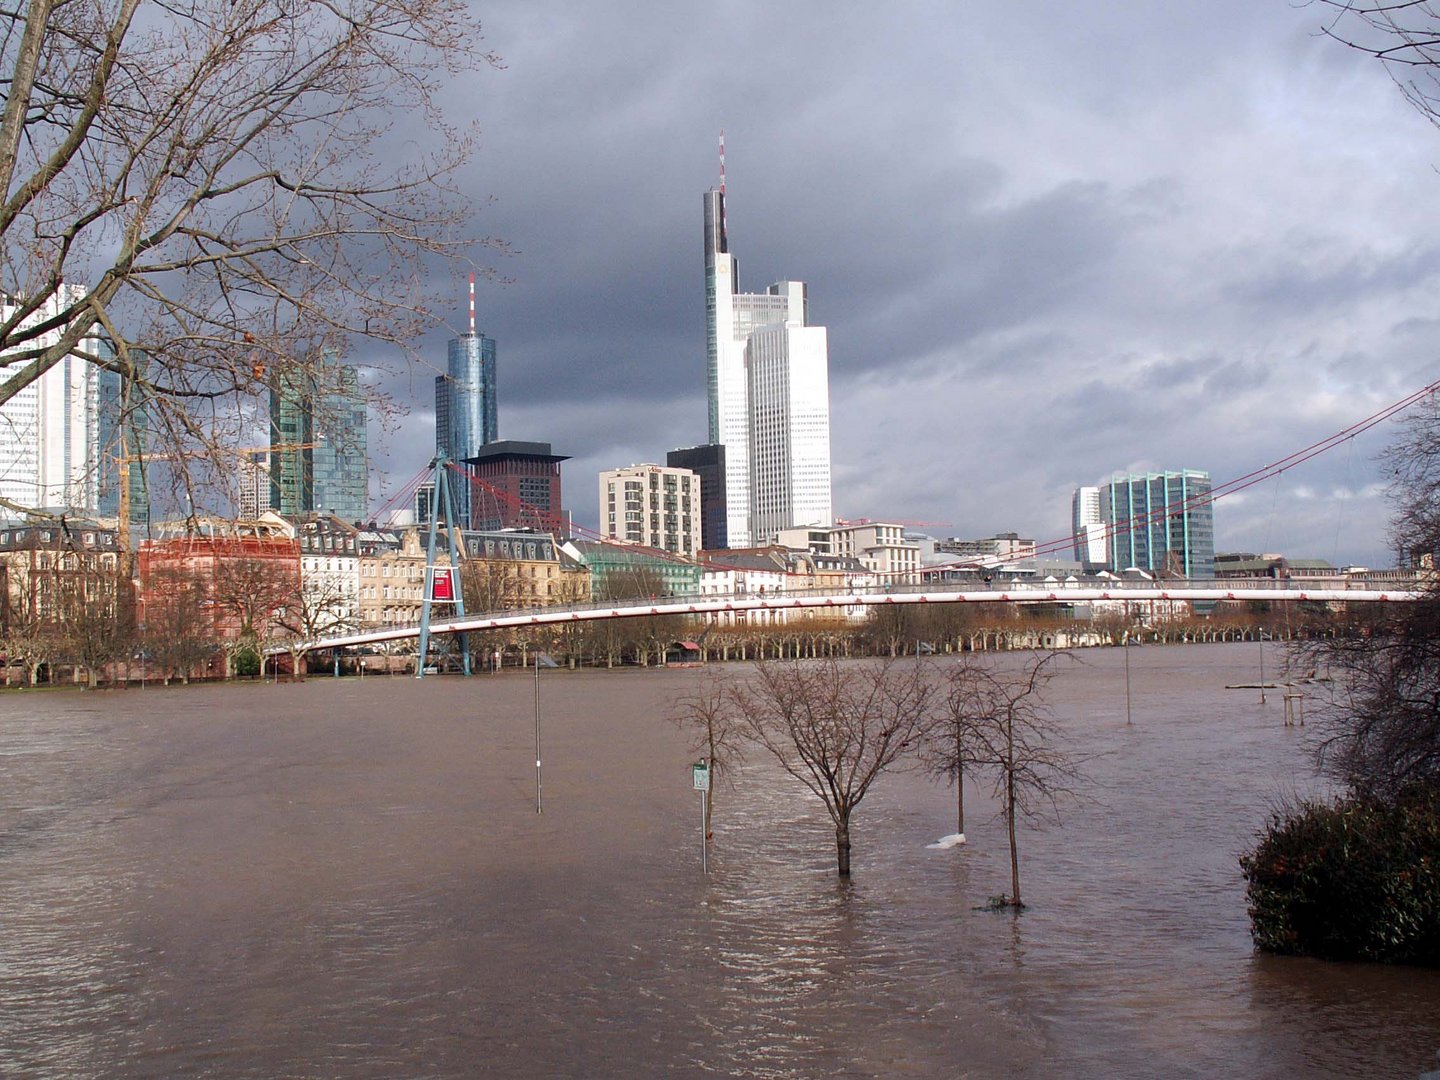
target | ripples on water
x=349, y=880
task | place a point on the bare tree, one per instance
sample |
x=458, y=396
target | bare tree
x=261, y=600
x=1016, y=739
x=952, y=737
x=97, y=617
x=179, y=624
x=1382, y=727
x=206, y=197
x=705, y=714
x=835, y=727
x=304, y=610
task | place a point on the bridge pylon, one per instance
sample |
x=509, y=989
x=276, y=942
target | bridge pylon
x=444, y=588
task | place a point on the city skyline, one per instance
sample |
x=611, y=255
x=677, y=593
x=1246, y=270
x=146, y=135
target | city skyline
x=1030, y=282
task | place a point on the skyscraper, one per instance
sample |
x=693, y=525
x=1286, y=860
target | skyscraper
x=49, y=431
x=1160, y=522
x=1087, y=527
x=467, y=410
x=319, y=442
x=789, y=358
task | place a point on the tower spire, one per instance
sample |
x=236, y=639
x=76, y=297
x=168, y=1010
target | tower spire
x=722, y=161
x=472, y=303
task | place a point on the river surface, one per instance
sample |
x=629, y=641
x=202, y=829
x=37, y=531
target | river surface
x=348, y=878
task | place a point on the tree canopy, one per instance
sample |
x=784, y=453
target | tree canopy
x=205, y=196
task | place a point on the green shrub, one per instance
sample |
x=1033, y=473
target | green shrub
x=1357, y=879
x=246, y=661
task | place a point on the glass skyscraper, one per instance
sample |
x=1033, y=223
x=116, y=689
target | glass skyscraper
x=467, y=411
x=319, y=442
x=1160, y=522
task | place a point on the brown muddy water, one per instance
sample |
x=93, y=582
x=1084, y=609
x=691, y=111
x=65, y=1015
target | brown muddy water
x=349, y=879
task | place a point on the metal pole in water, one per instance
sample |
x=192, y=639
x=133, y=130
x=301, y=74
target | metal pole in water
x=538, y=809
x=1127, y=678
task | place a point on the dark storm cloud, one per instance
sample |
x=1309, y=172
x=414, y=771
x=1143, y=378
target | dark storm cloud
x=1050, y=241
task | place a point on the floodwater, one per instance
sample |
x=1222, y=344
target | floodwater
x=348, y=878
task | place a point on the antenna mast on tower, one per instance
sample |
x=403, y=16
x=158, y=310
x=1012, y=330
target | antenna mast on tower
x=722, y=182
x=472, y=305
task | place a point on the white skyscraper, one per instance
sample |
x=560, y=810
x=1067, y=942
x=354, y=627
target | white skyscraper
x=789, y=390
x=788, y=483
x=1088, y=527
x=49, y=455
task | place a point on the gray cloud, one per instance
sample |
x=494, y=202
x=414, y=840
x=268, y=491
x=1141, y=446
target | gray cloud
x=1050, y=241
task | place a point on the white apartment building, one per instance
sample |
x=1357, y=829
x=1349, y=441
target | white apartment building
x=1087, y=526
x=880, y=547
x=49, y=431
x=654, y=506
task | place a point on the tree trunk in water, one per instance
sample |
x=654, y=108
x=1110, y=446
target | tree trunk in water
x=960, y=798
x=842, y=848
x=1014, y=852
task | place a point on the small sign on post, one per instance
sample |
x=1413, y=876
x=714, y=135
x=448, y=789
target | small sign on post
x=700, y=775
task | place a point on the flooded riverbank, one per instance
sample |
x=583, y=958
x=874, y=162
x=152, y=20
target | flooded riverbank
x=348, y=879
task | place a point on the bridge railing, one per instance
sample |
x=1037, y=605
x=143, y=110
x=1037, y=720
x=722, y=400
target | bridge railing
x=1018, y=588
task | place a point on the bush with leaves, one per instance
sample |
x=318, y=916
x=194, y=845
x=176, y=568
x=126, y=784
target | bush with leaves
x=1357, y=879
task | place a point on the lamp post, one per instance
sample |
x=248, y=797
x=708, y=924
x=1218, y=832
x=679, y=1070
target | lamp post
x=541, y=659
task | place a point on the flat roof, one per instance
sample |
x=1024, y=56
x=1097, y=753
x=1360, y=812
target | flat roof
x=514, y=448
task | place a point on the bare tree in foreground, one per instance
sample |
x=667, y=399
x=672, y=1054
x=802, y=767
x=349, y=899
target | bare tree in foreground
x=215, y=189
x=1015, y=736
x=952, y=738
x=834, y=727
x=705, y=715
x=1382, y=728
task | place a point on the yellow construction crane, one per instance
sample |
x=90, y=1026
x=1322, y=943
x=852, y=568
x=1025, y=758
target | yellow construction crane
x=124, y=461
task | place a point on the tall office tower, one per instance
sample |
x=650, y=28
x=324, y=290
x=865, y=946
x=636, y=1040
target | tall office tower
x=708, y=463
x=319, y=442
x=49, y=432
x=789, y=389
x=731, y=320
x=652, y=505
x=467, y=412
x=1087, y=527
x=1161, y=522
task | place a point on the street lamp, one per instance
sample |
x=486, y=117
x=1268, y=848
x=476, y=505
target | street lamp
x=542, y=659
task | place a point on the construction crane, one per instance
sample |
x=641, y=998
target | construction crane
x=124, y=461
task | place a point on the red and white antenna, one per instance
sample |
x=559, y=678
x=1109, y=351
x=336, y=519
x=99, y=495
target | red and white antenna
x=472, y=303
x=722, y=161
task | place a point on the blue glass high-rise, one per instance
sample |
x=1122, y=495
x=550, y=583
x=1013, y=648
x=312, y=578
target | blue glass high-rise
x=467, y=405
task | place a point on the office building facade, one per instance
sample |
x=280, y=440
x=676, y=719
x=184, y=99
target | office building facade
x=1160, y=522
x=319, y=442
x=654, y=506
x=519, y=487
x=1087, y=527
x=708, y=463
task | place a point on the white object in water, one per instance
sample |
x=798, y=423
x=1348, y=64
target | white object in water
x=953, y=840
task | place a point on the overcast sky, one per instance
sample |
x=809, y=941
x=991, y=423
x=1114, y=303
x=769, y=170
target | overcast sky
x=1051, y=241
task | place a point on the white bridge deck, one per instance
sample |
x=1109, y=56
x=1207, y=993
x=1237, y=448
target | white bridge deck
x=1260, y=589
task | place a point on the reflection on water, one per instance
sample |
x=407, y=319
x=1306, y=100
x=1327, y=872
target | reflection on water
x=347, y=879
